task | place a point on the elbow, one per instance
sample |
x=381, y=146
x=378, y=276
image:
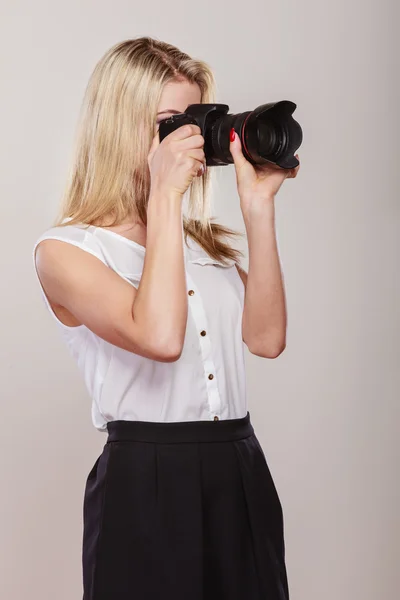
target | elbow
x=169, y=351
x=170, y=355
x=267, y=350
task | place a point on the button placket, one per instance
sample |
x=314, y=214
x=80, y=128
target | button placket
x=200, y=319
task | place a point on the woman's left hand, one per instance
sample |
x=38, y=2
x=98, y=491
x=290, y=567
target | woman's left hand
x=259, y=182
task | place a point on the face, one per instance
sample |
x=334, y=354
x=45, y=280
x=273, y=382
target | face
x=176, y=97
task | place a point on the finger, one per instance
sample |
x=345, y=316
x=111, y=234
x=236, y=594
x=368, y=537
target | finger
x=235, y=147
x=194, y=141
x=201, y=171
x=185, y=131
x=197, y=154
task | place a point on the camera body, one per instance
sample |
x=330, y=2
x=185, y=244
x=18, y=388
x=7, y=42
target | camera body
x=268, y=134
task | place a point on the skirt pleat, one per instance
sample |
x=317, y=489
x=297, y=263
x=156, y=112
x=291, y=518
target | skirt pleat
x=265, y=518
x=182, y=511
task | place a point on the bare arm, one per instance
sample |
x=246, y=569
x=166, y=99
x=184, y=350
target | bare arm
x=150, y=320
x=161, y=302
x=264, y=314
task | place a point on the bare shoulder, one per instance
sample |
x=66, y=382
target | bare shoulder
x=50, y=255
x=48, y=258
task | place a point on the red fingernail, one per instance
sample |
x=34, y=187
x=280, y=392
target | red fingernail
x=232, y=135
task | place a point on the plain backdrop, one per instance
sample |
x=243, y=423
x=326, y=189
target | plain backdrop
x=327, y=410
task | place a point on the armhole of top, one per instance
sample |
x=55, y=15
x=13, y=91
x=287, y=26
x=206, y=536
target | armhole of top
x=45, y=298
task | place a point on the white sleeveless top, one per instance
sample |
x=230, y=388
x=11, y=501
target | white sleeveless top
x=207, y=382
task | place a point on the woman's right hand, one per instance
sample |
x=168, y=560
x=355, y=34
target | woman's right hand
x=175, y=161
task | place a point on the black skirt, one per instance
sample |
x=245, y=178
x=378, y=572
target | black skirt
x=183, y=511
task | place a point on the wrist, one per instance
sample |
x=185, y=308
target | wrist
x=157, y=193
x=257, y=206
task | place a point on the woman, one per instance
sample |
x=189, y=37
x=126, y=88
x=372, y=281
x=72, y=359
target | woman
x=180, y=504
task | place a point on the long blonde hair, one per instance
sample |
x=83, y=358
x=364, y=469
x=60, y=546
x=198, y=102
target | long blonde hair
x=109, y=176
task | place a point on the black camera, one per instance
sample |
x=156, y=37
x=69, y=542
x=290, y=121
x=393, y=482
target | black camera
x=268, y=134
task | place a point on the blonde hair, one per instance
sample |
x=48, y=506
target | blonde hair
x=109, y=176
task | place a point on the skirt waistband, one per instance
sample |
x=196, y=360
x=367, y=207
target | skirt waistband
x=180, y=431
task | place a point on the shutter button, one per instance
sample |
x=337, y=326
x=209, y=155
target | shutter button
x=211, y=376
x=216, y=418
x=191, y=292
x=203, y=333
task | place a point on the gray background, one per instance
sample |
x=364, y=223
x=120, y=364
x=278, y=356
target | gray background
x=326, y=411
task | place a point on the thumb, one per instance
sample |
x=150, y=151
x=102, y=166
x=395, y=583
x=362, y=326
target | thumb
x=154, y=145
